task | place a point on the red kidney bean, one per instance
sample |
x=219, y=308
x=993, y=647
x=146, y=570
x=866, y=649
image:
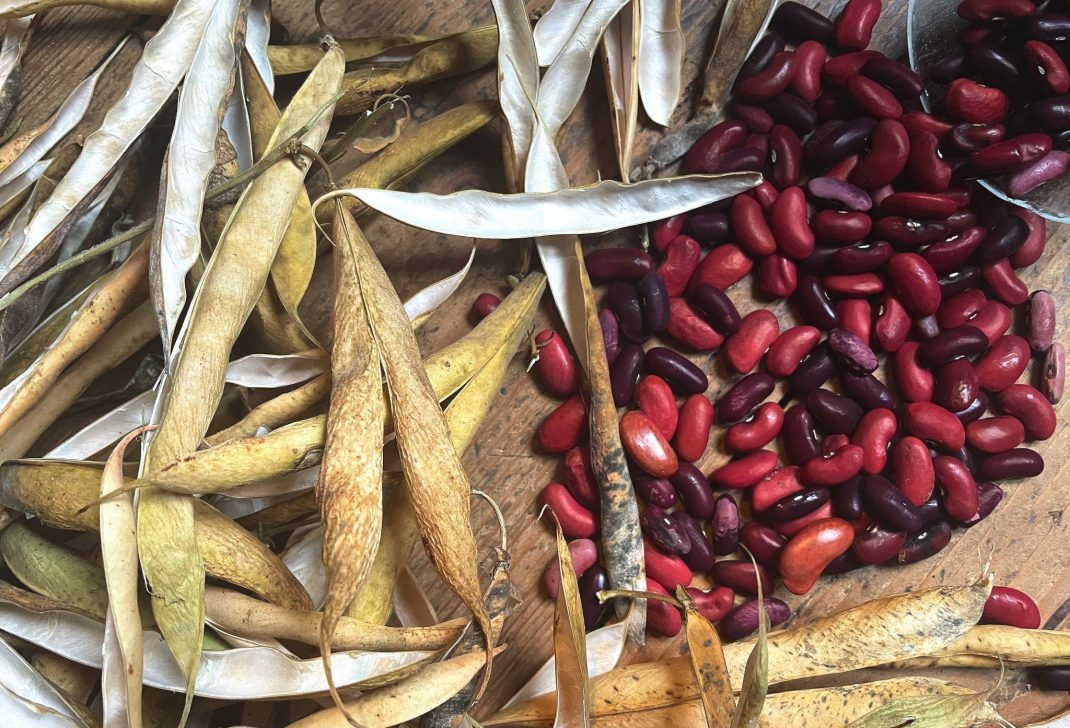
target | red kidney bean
x=563, y=428
x=1010, y=155
x=628, y=264
x=985, y=10
x=718, y=308
x=873, y=434
x=745, y=471
x=665, y=231
x=743, y=397
x=901, y=79
x=594, y=580
x=787, y=108
x=741, y=577
x=765, y=194
x=655, y=300
x=959, y=281
x=790, y=528
x=833, y=442
x=923, y=205
x=990, y=496
x=1031, y=408
x=854, y=26
x=1052, y=374
x=995, y=434
x=833, y=412
x=960, y=221
x=668, y=569
x=960, y=499
x=919, y=122
x=966, y=138
x=877, y=545
x=779, y=484
x=892, y=324
x=646, y=445
x=800, y=441
x=799, y=504
x=843, y=465
x=925, y=543
x=745, y=158
x=624, y=299
x=743, y=620
x=889, y=505
x=1006, y=286
x=676, y=369
x=713, y=604
x=1020, y=462
x=756, y=118
x=840, y=68
x=909, y=234
x=709, y=228
x=948, y=68
x=916, y=282
x=852, y=351
x=796, y=22
x=975, y=409
x=663, y=531
x=757, y=332
x=607, y=321
x=748, y=221
x=1001, y=366
x=957, y=385
x=814, y=304
x=789, y=224
x=576, y=521
x=856, y=316
x=584, y=555
x=654, y=490
x=1033, y=247
x=993, y=319
x=682, y=257
x=787, y=156
x=935, y=424
x=1009, y=606
x=811, y=550
x=484, y=305
x=1047, y=66
x=777, y=276
x=949, y=255
x=624, y=374
x=887, y=158
x=875, y=99
x=694, y=490
x=722, y=267
x=969, y=101
x=1051, y=166
x=916, y=384
x=768, y=46
x=809, y=58
x=662, y=619
x=689, y=329
x=726, y=526
x=579, y=479
x=789, y=349
x=723, y=137
x=700, y=557
x=756, y=432
x=693, y=431
x=762, y=541
x=555, y=368
x=961, y=308
x=840, y=228
x=770, y=81
x=1040, y=320
x=865, y=389
x=655, y=399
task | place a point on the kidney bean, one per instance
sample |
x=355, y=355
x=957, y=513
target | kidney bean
x=959, y=281
x=713, y=604
x=1055, y=679
x=876, y=545
x=901, y=79
x=1009, y=606
x=777, y=276
x=847, y=499
x=995, y=434
x=1051, y=166
x=811, y=550
x=484, y=306
x=957, y=385
x=892, y=324
x=789, y=349
x=624, y=299
x=916, y=282
x=745, y=348
x=700, y=557
x=935, y=424
x=655, y=399
x=948, y=68
x=966, y=138
x=744, y=396
x=579, y=479
x=748, y=221
x=854, y=26
x=1040, y=320
x=693, y=431
x=1048, y=26
x=709, y=228
x=837, y=228
x=646, y=445
x=831, y=443
x=774, y=78
x=655, y=299
x=694, y=490
x=594, y=580
x=961, y=308
x=800, y=441
x=663, y=531
x=607, y=321
x=662, y=619
x=789, y=224
x=562, y=429
x=726, y=526
x=969, y=101
x=624, y=373
x=681, y=374
x=745, y=158
x=1003, y=239
x=584, y=555
x=757, y=431
x=997, y=67
x=627, y=264
x=965, y=340
x=865, y=389
x=1006, y=286
x=922, y=205
x=949, y=255
x=840, y=143
x=813, y=302
x=931, y=512
x=786, y=156
x=576, y=521
x=743, y=620
x=925, y=543
x=874, y=433
x=875, y=99
x=1046, y=66
x=555, y=368
x=1031, y=408
x=682, y=258
x=790, y=528
x=844, y=194
x=1052, y=374
x=960, y=499
x=665, y=231
x=834, y=412
x=780, y=483
x=718, y=308
x=960, y=221
x=689, y=329
x=920, y=122
x=856, y=317
x=908, y=234
x=787, y=108
x=667, y=569
x=745, y=471
x=721, y=138
x=799, y=504
x=852, y=351
x=763, y=542
x=887, y=158
x=741, y=577
x=796, y=23
x=1019, y=462
x=654, y=490
x=764, y=50
x=722, y=267
x=840, y=68
x=1010, y=155
x=756, y=118
x=1001, y=366
x=1033, y=247
x=809, y=58
x=985, y=10
x=889, y=505
x=843, y=465
x=990, y=496
x=916, y=384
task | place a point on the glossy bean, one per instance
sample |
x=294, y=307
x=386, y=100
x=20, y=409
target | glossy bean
x=790, y=528
x=655, y=399
x=762, y=541
x=809, y=58
x=774, y=78
x=663, y=531
x=886, y=159
x=665, y=231
x=658, y=491
x=689, y=329
x=709, y=228
x=721, y=138
x=851, y=351
x=607, y=321
x=901, y=79
x=965, y=340
x=854, y=26
x=833, y=412
x=1019, y=462
x=662, y=619
x=916, y=282
x=562, y=429
x=843, y=194
x=796, y=23
x=655, y=300
x=693, y=430
x=742, y=621
x=948, y=256
x=813, y=302
x=840, y=143
x=865, y=389
x=578, y=477
x=722, y=267
x=1051, y=166
x=957, y=385
x=916, y=383
x=744, y=396
x=757, y=431
x=624, y=373
x=594, y=580
x=624, y=299
x=960, y=491
x=847, y=499
x=786, y=156
x=1010, y=155
x=610, y=264
x=745, y=471
x=740, y=575
x=787, y=108
x=892, y=324
x=484, y=306
x=1032, y=408
x=811, y=550
x=681, y=374
x=877, y=545
x=694, y=490
x=667, y=569
x=925, y=543
x=1047, y=66
x=985, y=10
x=1033, y=247
x=790, y=225
x=969, y=101
x=966, y=138
x=756, y=118
x=876, y=100
x=576, y=521
x=838, y=468
x=713, y=604
x=718, y=309
x=1005, y=284
x=934, y=424
x=995, y=434
x=873, y=434
x=780, y=483
x=767, y=46
x=1012, y=607
x=799, y=504
x=646, y=445
x=784, y=355
x=555, y=368
x=700, y=557
x=1002, y=364
x=889, y=505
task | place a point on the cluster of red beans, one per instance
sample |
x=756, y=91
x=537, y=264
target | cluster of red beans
x=881, y=245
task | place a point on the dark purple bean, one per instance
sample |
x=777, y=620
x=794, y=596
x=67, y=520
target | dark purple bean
x=876, y=544
x=931, y=512
x=843, y=563
x=1003, y=240
x=959, y=341
x=1051, y=114
x=1054, y=678
x=975, y=409
x=833, y=412
x=745, y=395
x=676, y=369
x=1019, y=462
x=759, y=58
x=740, y=159
x=949, y=255
x=903, y=81
x=815, y=307
x=926, y=327
x=865, y=389
x=656, y=301
x=959, y=281
x=846, y=195
x=799, y=504
x=743, y=620
x=1048, y=26
x=613, y=264
x=607, y=320
x=813, y=371
x=849, y=138
x=594, y=580
x=624, y=374
x=963, y=454
x=787, y=108
x=624, y=298
x=948, y=68
x=908, y=234
x=957, y=385
x=718, y=310
x=862, y=258
x=819, y=261
x=663, y=531
x=852, y=352
x=700, y=557
x=798, y=23
x=694, y=490
x=887, y=504
x=709, y=228
x=989, y=496
x=998, y=68
x=925, y=543
x=800, y=440
x=658, y=491
x=847, y=499
x=726, y=526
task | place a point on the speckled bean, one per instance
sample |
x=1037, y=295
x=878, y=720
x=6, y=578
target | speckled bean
x=726, y=526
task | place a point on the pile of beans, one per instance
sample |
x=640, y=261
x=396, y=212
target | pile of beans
x=882, y=245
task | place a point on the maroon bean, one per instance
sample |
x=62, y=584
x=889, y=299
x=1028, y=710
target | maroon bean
x=762, y=541
x=875, y=99
x=906, y=233
x=877, y=544
x=989, y=496
x=607, y=320
x=1047, y=66
x=777, y=276
x=787, y=108
x=892, y=325
x=624, y=374
x=774, y=78
x=965, y=340
x=799, y=504
x=862, y=258
x=985, y=10
x=837, y=228
x=887, y=504
x=745, y=471
x=948, y=68
x=764, y=50
x=607, y=264
x=709, y=228
x=949, y=255
x=927, y=327
x=484, y=305
x=786, y=156
x=865, y=389
x=624, y=299
x=873, y=434
x=960, y=221
x=1019, y=462
x=723, y=137
x=1003, y=239
x=920, y=122
x=847, y=139
x=921, y=205
x=594, y=580
x=886, y=159
x=967, y=100
x=741, y=576
x=1031, y=408
x=960, y=491
x=813, y=371
x=956, y=385
x=756, y=118
x=796, y=23
x=741, y=159
x=997, y=67
x=800, y=440
x=841, y=67
x=847, y=499
x=663, y=531
x=961, y=280
x=694, y=490
x=676, y=369
x=700, y=557
x=901, y=79
x=809, y=58
x=1055, y=678
x=1010, y=155
x=790, y=226
x=925, y=543
x=654, y=490
x=655, y=301
x=1051, y=114
x=813, y=302
x=834, y=412
x=744, y=396
x=967, y=138
x=743, y=620
x=718, y=309
x=973, y=410
x=916, y=282
x=726, y=526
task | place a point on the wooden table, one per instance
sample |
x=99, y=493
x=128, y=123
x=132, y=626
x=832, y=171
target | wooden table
x=1025, y=540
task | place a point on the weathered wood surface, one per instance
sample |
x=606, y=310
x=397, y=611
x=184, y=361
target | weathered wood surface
x=1025, y=540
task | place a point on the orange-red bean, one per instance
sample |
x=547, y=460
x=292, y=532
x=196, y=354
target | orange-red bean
x=667, y=569
x=689, y=329
x=790, y=348
x=646, y=445
x=873, y=434
x=746, y=471
x=854, y=26
x=811, y=550
x=662, y=619
x=995, y=434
